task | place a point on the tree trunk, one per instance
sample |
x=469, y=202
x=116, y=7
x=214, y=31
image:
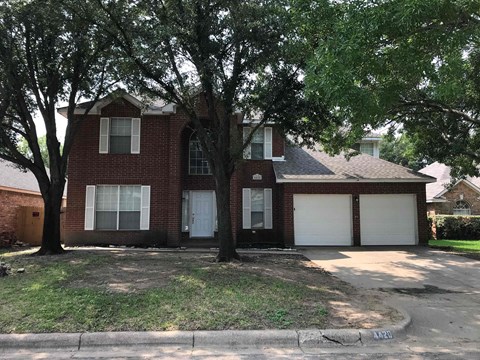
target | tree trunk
x=51, y=225
x=227, y=250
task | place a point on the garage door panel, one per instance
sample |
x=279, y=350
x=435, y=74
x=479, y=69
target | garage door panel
x=322, y=220
x=388, y=219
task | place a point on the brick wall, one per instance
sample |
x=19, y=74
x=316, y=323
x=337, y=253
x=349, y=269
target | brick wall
x=151, y=167
x=355, y=189
x=453, y=195
x=10, y=202
x=245, y=174
x=163, y=165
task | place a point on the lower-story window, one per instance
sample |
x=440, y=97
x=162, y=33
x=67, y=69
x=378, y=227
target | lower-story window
x=117, y=207
x=257, y=208
x=461, y=208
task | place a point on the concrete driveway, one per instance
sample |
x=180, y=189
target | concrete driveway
x=441, y=291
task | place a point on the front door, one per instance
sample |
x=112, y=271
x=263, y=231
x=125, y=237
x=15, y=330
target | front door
x=202, y=214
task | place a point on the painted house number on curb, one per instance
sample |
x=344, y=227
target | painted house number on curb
x=382, y=335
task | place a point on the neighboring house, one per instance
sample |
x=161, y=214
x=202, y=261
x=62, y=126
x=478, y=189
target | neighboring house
x=21, y=206
x=137, y=176
x=370, y=144
x=444, y=197
x=18, y=190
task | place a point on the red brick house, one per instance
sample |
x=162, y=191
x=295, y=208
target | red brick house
x=446, y=198
x=138, y=177
x=21, y=206
x=18, y=190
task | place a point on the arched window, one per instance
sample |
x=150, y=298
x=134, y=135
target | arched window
x=198, y=164
x=461, y=208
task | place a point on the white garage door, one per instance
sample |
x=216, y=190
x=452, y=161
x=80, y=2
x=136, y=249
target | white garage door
x=388, y=219
x=323, y=219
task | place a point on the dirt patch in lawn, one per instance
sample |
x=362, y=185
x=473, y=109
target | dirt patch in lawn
x=152, y=290
x=346, y=305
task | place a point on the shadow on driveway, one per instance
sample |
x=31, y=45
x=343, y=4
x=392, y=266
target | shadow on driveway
x=402, y=267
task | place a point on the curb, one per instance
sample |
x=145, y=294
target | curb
x=198, y=339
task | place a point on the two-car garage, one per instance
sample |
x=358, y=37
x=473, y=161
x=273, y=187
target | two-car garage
x=328, y=219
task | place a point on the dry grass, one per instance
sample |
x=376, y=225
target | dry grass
x=114, y=290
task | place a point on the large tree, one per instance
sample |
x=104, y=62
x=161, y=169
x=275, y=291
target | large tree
x=409, y=62
x=235, y=55
x=47, y=55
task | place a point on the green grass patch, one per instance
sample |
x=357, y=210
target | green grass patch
x=457, y=245
x=119, y=291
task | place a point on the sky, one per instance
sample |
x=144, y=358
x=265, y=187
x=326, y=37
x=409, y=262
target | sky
x=61, y=126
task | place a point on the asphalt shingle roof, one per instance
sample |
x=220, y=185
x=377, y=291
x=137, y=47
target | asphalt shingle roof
x=303, y=164
x=12, y=177
x=442, y=173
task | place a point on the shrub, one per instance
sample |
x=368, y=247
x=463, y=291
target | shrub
x=457, y=227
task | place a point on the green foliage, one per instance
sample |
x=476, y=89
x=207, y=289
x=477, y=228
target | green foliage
x=25, y=150
x=457, y=227
x=402, y=150
x=48, y=54
x=408, y=62
x=228, y=55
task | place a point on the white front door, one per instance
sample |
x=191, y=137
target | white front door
x=202, y=214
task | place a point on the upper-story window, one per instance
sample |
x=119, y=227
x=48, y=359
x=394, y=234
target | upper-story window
x=257, y=145
x=119, y=135
x=198, y=163
x=461, y=208
x=261, y=145
x=366, y=148
x=369, y=148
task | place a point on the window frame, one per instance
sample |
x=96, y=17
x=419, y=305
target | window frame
x=105, y=135
x=117, y=227
x=267, y=210
x=262, y=192
x=267, y=142
x=111, y=136
x=369, y=144
x=466, y=208
x=255, y=136
x=194, y=138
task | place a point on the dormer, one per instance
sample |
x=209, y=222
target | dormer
x=370, y=144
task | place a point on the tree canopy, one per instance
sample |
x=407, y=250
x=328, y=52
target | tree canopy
x=408, y=62
x=236, y=55
x=47, y=55
x=402, y=150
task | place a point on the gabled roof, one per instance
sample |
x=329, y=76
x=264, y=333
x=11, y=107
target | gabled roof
x=306, y=165
x=148, y=107
x=15, y=179
x=441, y=172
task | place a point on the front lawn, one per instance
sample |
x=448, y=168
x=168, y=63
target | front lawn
x=115, y=290
x=472, y=246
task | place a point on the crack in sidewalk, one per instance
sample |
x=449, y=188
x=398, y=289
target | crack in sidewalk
x=80, y=341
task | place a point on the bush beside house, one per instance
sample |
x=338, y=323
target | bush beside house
x=456, y=227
